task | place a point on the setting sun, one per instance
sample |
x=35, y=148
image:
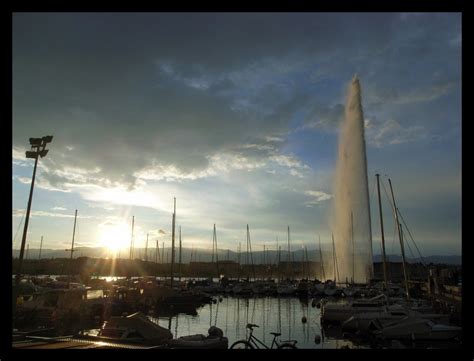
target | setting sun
x=114, y=236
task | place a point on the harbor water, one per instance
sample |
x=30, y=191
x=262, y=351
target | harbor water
x=271, y=314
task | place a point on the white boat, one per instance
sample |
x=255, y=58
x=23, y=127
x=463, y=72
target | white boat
x=415, y=328
x=339, y=312
x=362, y=321
x=135, y=328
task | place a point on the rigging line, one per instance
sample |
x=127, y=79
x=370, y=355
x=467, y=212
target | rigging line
x=403, y=220
x=388, y=198
x=409, y=248
x=21, y=222
x=393, y=238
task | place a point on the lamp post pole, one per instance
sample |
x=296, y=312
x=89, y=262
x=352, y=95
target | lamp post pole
x=36, y=144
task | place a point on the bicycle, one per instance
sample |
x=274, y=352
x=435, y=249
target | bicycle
x=253, y=342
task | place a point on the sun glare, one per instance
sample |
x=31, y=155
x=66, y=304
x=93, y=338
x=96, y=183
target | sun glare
x=114, y=236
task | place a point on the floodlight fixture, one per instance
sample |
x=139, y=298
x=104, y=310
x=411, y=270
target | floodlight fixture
x=35, y=142
x=31, y=154
x=43, y=152
x=47, y=139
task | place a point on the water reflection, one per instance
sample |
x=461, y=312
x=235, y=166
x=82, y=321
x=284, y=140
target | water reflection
x=272, y=314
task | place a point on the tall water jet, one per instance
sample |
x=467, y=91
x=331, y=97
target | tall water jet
x=353, y=237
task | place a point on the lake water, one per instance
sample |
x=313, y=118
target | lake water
x=272, y=314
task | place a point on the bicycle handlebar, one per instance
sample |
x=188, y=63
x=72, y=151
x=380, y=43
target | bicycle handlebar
x=251, y=325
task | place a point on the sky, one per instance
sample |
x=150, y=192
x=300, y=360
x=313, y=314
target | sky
x=237, y=116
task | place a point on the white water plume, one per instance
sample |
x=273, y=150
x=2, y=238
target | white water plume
x=351, y=196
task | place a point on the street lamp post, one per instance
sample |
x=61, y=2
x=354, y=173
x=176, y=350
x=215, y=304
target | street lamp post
x=38, y=146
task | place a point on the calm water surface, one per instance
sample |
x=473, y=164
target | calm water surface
x=272, y=314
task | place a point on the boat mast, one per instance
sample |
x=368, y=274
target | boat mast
x=214, y=245
x=302, y=259
x=72, y=250
x=131, y=241
x=41, y=247
x=353, y=248
x=238, y=262
x=179, y=253
x=157, y=252
x=385, y=275
x=395, y=211
x=146, y=248
x=288, y=267
x=278, y=261
x=250, y=247
x=336, y=271
x=308, y=262
x=172, y=242
x=321, y=259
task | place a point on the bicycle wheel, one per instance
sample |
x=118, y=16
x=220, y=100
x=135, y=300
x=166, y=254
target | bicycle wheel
x=241, y=345
x=286, y=345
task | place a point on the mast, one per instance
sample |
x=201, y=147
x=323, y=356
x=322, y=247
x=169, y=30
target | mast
x=321, y=259
x=395, y=211
x=131, y=241
x=279, y=260
x=179, y=253
x=288, y=267
x=72, y=248
x=302, y=259
x=172, y=242
x=238, y=262
x=27, y=250
x=336, y=271
x=307, y=262
x=146, y=248
x=385, y=275
x=214, y=245
x=353, y=248
x=249, y=245
x=41, y=247
x=157, y=252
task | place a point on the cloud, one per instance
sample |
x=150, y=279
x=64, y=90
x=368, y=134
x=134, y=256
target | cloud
x=324, y=117
x=391, y=132
x=21, y=212
x=318, y=197
x=402, y=97
x=59, y=209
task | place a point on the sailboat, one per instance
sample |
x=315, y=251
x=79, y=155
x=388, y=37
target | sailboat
x=287, y=288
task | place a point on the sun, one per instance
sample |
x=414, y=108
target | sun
x=114, y=236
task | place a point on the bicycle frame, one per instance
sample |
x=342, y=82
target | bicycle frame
x=253, y=340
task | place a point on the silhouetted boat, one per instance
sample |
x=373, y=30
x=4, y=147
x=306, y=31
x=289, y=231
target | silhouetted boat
x=214, y=340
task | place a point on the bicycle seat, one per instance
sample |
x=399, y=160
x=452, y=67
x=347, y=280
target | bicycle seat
x=251, y=325
x=275, y=333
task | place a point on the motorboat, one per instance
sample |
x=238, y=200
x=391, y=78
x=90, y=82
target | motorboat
x=136, y=328
x=415, y=328
x=362, y=321
x=214, y=340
